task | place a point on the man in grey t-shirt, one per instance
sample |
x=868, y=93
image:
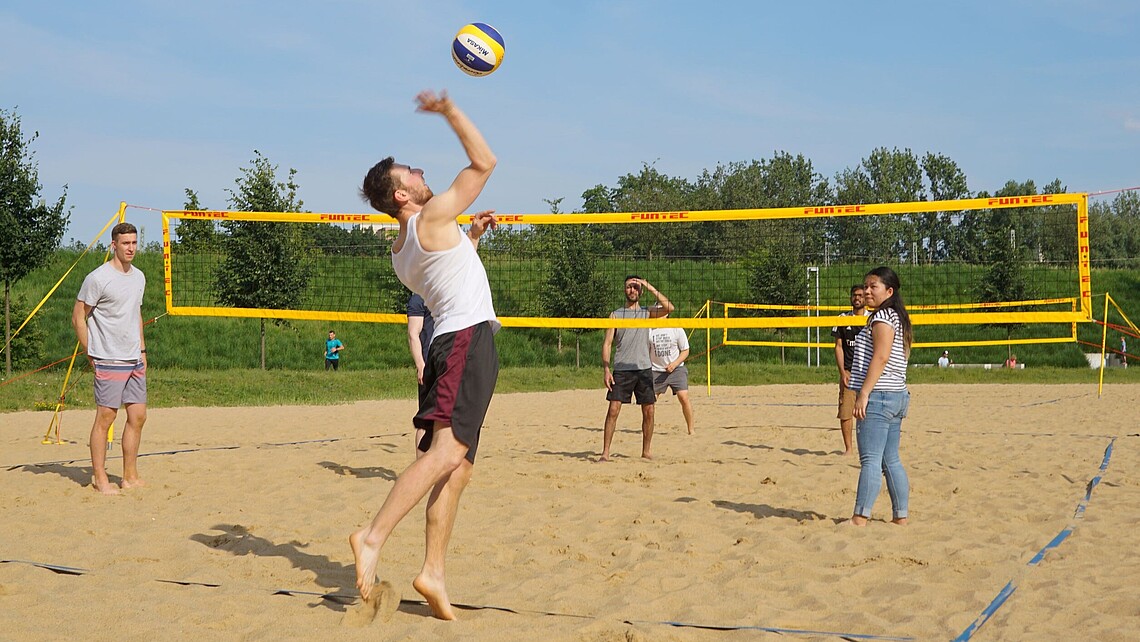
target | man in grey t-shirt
x=108, y=323
x=631, y=373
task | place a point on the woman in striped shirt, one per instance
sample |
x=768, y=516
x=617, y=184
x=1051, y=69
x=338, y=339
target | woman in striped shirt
x=879, y=374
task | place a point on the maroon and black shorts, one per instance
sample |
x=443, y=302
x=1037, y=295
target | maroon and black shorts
x=459, y=377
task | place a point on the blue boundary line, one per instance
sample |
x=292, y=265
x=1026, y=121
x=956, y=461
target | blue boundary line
x=1010, y=587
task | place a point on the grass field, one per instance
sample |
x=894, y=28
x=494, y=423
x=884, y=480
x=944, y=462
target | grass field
x=206, y=360
x=255, y=387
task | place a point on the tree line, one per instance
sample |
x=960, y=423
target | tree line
x=269, y=265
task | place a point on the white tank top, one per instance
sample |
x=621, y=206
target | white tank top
x=452, y=282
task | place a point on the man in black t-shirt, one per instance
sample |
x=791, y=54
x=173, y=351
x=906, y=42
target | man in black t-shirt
x=844, y=355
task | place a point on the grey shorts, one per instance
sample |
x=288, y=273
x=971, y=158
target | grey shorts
x=118, y=383
x=677, y=380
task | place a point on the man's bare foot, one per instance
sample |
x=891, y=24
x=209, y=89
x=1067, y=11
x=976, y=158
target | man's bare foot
x=133, y=483
x=690, y=431
x=848, y=452
x=856, y=520
x=436, y=595
x=901, y=521
x=104, y=487
x=366, y=559
x=647, y=456
x=604, y=457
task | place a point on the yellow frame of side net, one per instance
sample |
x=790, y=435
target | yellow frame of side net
x=1082, y=312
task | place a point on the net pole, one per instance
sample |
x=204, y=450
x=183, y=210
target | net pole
x=1103, y=346
x=708, y=350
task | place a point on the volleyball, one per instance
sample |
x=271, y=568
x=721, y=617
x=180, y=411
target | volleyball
x=477, y=49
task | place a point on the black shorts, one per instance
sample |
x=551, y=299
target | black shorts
x=630, y=383
x=459, y=380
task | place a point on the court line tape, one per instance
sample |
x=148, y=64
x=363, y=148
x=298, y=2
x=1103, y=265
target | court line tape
x=346, y=599
x=180, y=451
x=1011, y=586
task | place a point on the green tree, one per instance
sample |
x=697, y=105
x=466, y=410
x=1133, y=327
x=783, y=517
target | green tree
x=30, y=229
x=196, y=235
x=573, y=286
x=777, y=275
x=266, y=265
x=936, y=231
x=886, y=176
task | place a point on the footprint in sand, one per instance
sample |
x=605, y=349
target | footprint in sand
x=383, y=604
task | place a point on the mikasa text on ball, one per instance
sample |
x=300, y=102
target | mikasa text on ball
x=477, y=49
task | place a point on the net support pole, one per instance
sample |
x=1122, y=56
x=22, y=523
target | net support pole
x=708, y=350
x=1103, y=346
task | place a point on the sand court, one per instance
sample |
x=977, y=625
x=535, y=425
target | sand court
x=731, y=532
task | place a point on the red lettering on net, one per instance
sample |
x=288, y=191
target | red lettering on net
x=510, y=218
x=658, y=216
x=345, y=218
x=1021, y=200
x=206, y=214
x=836, y=209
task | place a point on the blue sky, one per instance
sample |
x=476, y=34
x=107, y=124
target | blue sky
x=136, y=100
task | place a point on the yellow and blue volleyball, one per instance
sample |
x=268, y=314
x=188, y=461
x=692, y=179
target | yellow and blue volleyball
x=477, y=49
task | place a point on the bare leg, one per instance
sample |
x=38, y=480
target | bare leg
x=416, y=444
x=686, y=408
x=442, y=507
x=132, y=437
x=846, y=426
x=445, y=455
x=647, y=429
x=610, y=426
x=104, y=417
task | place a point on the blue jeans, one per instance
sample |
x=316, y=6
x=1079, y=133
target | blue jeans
x=878, y=437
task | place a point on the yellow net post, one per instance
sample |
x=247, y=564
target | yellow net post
x=1103, y=345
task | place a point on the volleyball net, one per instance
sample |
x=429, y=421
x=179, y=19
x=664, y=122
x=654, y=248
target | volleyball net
x=757, y=275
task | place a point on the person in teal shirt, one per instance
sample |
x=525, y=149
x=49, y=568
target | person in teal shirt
x=332, y=351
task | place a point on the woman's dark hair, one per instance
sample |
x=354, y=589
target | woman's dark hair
x=895, y=302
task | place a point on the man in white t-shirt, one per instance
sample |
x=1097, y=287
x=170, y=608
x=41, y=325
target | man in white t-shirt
x=668, y=349
x=107, y=318
x=944, y=361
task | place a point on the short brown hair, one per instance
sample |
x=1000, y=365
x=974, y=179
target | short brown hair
x=122, y=228
x=380, y=187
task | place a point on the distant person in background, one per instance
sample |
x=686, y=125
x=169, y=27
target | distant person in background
x=420, y=327
x=632, y=375
x=844, y=356
x=944, y=361
x=1011, y=362
x=668, y=349
x=333, y=346
x=107, y=318
x=1123, y=351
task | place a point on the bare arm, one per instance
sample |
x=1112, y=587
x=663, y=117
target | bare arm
x=677, y=363
x=882, y=336
x=844, y=375
x=480, y=223
x=663, y=305
x=415, y=326
x=442, y=209
x=607, y=344
x=79, y=316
